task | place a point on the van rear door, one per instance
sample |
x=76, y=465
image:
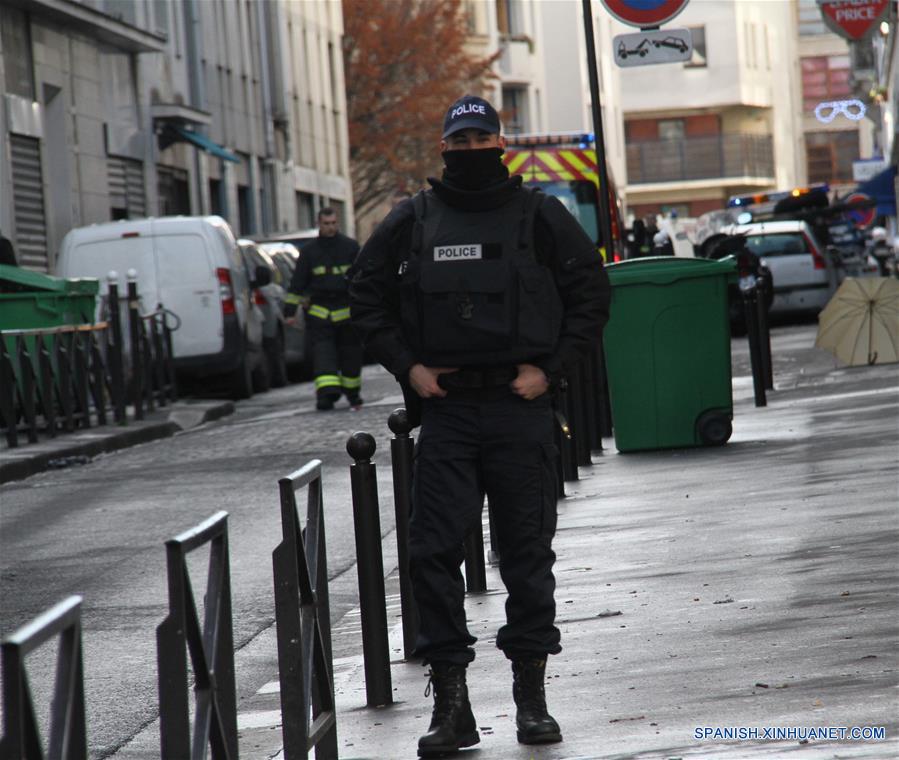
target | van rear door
x=188, y=286
x=96, y=258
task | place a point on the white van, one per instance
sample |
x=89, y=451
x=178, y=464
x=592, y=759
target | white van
x=190, y=265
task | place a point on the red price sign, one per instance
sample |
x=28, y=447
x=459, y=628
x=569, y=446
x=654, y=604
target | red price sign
x=853, y=19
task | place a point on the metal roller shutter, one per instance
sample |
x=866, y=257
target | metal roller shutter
x=28, y=203
x=126, y=186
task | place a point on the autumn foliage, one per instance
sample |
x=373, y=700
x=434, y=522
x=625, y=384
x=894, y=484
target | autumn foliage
x=405, y=62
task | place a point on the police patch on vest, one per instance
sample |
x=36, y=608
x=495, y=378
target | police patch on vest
x=457, y=252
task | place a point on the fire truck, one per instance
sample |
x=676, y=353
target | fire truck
x=563, y=164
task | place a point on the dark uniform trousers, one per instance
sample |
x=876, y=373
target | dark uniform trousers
x=336, y=356
x=501, y=446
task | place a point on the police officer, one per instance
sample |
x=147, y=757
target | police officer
x=319, y=285
x=476, y=294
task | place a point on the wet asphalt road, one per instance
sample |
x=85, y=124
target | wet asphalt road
x=99, y=531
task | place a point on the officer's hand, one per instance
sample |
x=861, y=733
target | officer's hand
x=424, y=380
x=530, y=383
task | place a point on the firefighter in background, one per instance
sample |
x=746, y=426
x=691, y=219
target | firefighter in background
x=319, y=285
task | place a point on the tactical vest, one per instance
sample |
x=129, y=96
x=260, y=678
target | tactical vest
x=472, y=291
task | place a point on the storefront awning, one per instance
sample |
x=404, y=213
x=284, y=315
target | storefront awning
x=204, y=143
x=882, y=188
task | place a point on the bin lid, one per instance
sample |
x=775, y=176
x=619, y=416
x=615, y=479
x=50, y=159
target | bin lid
x=663, y=270
x=18, y=280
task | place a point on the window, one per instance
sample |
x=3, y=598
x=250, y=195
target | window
x=699, y=58
x=508, y=18
x=671, y=129
x=305, y=210
x=161, y=16
x=810, y=21
x=829, y=155
x=215, y=197
x=824, y=78
x=15, y=34
x=777, y=244
x=515, y=114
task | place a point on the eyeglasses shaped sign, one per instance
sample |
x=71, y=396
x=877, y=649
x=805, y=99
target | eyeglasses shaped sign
x=852, y=109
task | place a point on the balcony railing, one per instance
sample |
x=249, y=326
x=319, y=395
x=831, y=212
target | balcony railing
x=700, y=158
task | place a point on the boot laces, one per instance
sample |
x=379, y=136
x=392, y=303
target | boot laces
x=447, y=693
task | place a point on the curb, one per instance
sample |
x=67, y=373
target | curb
x=104, y=443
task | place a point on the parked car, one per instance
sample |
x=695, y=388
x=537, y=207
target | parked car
x=804, y=274
x=192, y=266
x=296, y=352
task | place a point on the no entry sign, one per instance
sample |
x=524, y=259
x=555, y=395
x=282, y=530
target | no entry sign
x=645, y=13
x=853, y=19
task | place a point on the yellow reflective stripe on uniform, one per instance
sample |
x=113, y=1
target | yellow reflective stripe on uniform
x=318, y=311
x=319, y=270
x=327, y=381
x=293, y=298
x=343, y=269
x=339, y=315
x=602, y=252
x=351, y=383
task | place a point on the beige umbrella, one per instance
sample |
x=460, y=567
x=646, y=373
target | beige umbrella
x=860, y=324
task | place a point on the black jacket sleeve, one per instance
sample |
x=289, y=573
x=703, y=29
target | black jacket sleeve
x=298, y=284
x=374, y=290
x=582, y=282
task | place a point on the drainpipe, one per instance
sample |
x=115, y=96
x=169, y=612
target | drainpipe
x=197, y=85
x=269, y=203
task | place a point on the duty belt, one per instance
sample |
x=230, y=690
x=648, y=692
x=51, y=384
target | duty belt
x=469, y=379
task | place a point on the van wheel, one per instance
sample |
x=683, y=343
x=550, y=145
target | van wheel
x=714, y=428
x=277, y=364
x=241, y=381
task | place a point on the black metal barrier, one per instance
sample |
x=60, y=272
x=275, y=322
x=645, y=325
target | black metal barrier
x=69, y=377
x=21, y=731
x=753, y=307
x=401, y=451
x=302, y=612
x=370, y=568
x=211, y=650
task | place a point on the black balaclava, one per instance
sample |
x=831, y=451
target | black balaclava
x=474, y=169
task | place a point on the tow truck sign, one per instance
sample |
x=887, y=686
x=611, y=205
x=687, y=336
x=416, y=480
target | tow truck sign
x=853, y=19
x=657, y=46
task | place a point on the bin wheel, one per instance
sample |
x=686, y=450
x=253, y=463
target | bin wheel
x=714, y=428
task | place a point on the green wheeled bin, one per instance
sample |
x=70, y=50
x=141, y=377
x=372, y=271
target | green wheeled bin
x=667, y=347
x=31, y=300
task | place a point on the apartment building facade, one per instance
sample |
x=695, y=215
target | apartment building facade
x=721, y=124
x=116, y=109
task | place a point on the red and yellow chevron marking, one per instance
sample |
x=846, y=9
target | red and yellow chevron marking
x=552, y=165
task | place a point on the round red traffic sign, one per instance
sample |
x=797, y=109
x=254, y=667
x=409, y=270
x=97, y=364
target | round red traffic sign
x=644, y=13
x=861, y=217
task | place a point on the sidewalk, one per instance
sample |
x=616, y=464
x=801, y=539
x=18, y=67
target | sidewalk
x=82, y=445
x=752, y=585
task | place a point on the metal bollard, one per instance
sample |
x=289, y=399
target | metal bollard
x=579, y=395
x=114, y=357
x=134, y=325
x=401, y=449
x=370, y=567
x=750, y=307
x=765, y=340
x=475, y=571
x=603, y=406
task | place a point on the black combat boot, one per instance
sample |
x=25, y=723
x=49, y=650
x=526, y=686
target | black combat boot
x=452, y=722
x=535, y=724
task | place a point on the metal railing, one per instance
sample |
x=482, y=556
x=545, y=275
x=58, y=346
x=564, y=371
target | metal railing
x=302, y=613
x=64, y=378
x=211, y=649
x=739, y=155
x=21, y=730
